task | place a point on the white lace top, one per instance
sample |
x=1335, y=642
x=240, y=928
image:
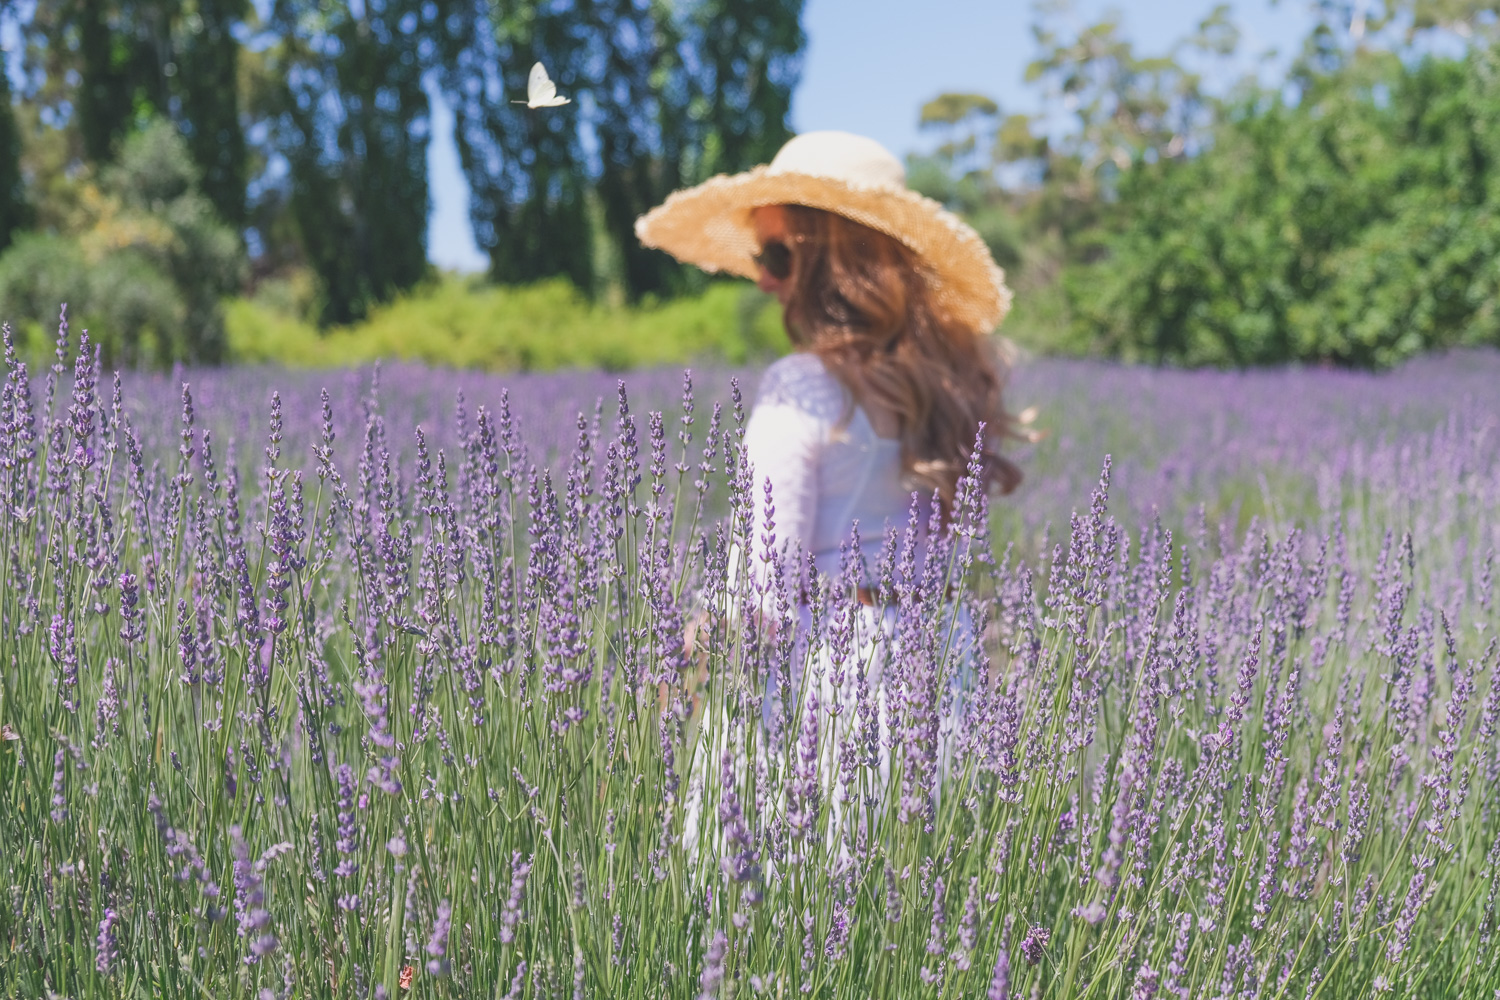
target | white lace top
x=826, y=471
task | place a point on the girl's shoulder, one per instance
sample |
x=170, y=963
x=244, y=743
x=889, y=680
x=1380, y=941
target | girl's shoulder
x=801, y=381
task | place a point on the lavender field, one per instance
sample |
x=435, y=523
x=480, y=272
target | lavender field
x=383, y=691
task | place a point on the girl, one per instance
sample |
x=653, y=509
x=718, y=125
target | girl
x=889, y=302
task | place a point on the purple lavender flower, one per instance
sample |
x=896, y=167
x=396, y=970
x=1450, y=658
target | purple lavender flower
x=437, y=942
x=107, y=945
x=1034, y=944
x=348, y=829
x=133, y=625
x=968, y=928
x=741, y=860
x=59, y=811
x=1401, y=935
x=892, y=897
x=1000, y=980
x=937, y=935
x=713, y=967
x=836, y=945
x=1146, y=982
x=63, y=647
x=510, y=917
x=250, y=899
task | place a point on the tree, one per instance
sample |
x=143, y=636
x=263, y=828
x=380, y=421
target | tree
x=1126, y=107
x=667, y=92
x=709, y=92
x=348, y=113
x=1357, y=228
x=102, y=68
x=208, y=68
x=526, y=169
x=142, y=259
x=965, y=118
x=15, y=207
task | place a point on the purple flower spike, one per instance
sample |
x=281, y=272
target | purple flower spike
x=713, y=967
x=107, y=947
x=1000, y=980
x=437, y=942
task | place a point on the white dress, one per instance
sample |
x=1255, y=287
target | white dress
x=827, y=470
x=826, y=465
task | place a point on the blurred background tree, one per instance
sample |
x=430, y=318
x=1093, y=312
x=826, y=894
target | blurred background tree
x=158, y=155
x=304, y=126
x=142, y=257
x=1350, y=216
x=667, y=94
x=347, y=123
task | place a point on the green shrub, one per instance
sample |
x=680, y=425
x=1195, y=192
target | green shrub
x=129, y=306
x=461, y=323
x=38, y=273
x=144, y=264
x=1360, y=227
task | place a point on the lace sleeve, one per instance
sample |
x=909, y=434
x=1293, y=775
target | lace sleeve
x=797, y=405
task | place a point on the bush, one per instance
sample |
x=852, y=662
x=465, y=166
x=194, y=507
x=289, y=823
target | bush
x=1360, y=226
x=37, y=273
x=128, y=305
x=144, y=263
x=460, y=323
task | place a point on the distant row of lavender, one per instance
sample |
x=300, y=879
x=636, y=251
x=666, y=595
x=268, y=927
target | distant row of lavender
x=299, y=700
x=1240, y=444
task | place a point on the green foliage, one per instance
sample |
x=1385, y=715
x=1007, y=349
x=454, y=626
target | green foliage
x=1346, y=217
x=670, y=93
x=334, y=100
x=349, y=113
x=15, y=207
x=544, y=326
x=961, y=117
x=1357, y=227
x=1039, y=198
x=144, y=261
x=1127, y=107
x=128, y=305
x=102, y=68
x=209, y=56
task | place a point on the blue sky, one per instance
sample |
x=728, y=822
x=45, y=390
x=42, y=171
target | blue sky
x=871, y=64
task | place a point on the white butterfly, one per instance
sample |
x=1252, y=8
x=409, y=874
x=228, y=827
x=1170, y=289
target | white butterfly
x=541, y=92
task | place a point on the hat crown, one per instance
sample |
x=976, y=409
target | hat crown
x=843, y=156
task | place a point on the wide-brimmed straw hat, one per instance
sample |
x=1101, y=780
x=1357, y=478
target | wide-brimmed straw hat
x=709, y=225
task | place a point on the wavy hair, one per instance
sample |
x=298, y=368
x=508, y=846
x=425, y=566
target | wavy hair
x=858, y=300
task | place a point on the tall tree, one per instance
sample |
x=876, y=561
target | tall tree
x=15, y=207
x=666, y=94
x=750, y=52
x=351, y=119
x=122, y=49
x=640, y=92
x=714, y=96
x=207, y=68
x=526, y=168
x=103, y=68
x=1126, y=107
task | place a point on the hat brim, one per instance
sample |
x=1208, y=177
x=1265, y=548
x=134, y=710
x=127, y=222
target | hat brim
x=709, y=226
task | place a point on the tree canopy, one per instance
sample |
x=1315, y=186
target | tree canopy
x=160, y=154
x=1347, y=215
x=307, y=124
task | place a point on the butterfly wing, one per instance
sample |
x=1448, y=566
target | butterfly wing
x=541, y=92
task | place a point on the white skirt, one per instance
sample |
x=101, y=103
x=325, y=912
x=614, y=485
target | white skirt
x=889, y=698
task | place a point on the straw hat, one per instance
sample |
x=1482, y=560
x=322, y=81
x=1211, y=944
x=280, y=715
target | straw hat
x=709, y=225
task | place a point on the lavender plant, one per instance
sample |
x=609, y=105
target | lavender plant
x=337, y=705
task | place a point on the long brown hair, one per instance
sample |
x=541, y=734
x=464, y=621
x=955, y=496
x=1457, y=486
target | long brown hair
x=858, y=300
